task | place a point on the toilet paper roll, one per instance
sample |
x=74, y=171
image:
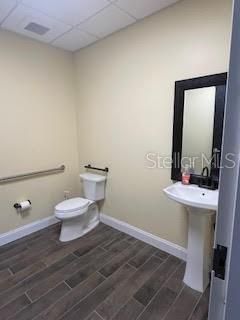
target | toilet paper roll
x=25, y=205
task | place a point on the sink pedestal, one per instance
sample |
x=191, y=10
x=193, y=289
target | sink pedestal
x=201, y=205
x=199, y=252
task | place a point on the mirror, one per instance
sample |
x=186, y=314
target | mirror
x=198, y=122
x=198, y=125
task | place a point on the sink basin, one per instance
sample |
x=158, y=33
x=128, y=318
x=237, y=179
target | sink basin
x=193, y=196
x=201, y=205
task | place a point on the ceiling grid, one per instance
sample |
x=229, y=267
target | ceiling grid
x=74, y=24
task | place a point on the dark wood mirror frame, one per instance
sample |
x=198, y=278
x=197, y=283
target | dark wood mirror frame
x=217, y=80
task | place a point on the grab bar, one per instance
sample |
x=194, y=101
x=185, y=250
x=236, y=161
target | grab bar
x=95, y=168
x=31, y=174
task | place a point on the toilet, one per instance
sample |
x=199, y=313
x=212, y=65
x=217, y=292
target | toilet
x=81, y=215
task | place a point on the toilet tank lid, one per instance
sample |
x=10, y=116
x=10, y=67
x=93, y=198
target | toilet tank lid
x=92, y=177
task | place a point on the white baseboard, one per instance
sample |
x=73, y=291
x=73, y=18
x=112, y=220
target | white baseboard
x=26, y=230
x=142, y=235
x=147, y=237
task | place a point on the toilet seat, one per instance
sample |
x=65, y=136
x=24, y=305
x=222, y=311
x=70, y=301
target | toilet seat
x=72, y=208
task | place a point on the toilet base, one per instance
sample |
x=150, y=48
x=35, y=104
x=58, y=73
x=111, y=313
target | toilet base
x=77, y=227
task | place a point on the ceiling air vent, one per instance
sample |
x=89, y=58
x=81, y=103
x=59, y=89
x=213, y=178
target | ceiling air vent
x=37, y=28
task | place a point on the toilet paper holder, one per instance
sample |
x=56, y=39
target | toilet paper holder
x=18, y=205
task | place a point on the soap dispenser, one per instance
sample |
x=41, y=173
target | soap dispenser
x=186, y=175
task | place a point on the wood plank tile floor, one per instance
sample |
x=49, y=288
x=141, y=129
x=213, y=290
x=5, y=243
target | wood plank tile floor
x=105, y=275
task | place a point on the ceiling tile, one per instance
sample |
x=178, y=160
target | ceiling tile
x=143, y=8
x=5, y=8
x=74, y=40
x=22, y=16
x=72, y=12
x=107, y=21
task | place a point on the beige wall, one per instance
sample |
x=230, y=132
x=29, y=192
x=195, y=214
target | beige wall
x=37, y=126
x=125, y=105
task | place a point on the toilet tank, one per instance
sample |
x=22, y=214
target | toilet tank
x=93, y=186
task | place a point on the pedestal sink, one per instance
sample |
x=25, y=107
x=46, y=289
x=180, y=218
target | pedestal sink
x=201, y=205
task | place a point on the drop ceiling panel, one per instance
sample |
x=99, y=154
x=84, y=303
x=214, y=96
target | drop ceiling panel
x=107, y=21
x=74, y=40
x=5, y=8
x=74, y=24
x=71, y=12
x=18, y=20
x=143, y=8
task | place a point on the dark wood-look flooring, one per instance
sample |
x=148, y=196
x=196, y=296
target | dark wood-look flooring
x=105, y=275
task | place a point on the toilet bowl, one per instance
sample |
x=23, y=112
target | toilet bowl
x=81, y=215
